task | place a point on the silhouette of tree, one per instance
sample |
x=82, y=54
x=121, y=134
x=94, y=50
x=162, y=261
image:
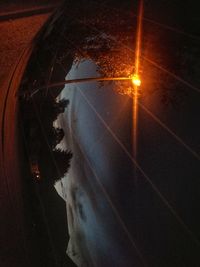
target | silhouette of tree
x=55, y=135
x=61, y=164
x=59, y=107
x=53, y=165
x=59, y=134
x=50, y=108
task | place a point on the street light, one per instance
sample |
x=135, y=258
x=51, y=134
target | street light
x=135, y=80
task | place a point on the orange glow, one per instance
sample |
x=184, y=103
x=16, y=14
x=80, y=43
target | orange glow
x=136, y=80
x=138, y=39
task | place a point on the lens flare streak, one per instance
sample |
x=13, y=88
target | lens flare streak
x=136, y=81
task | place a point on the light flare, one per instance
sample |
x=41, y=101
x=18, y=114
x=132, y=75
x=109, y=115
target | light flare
x=136, y=83
x=136, y=80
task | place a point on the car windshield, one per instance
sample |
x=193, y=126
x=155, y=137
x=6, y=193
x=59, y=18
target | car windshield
x=116, y=86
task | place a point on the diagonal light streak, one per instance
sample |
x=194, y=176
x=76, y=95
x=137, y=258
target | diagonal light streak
x=176, y=77
x=173, y=134
x=168, y=27
x=162, y=25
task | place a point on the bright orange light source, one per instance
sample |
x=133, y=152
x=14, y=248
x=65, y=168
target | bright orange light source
x=136, y=80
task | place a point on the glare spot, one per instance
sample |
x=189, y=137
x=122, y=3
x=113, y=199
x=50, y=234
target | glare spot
x=136, y=80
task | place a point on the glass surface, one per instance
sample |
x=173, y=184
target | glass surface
x=126, y=205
